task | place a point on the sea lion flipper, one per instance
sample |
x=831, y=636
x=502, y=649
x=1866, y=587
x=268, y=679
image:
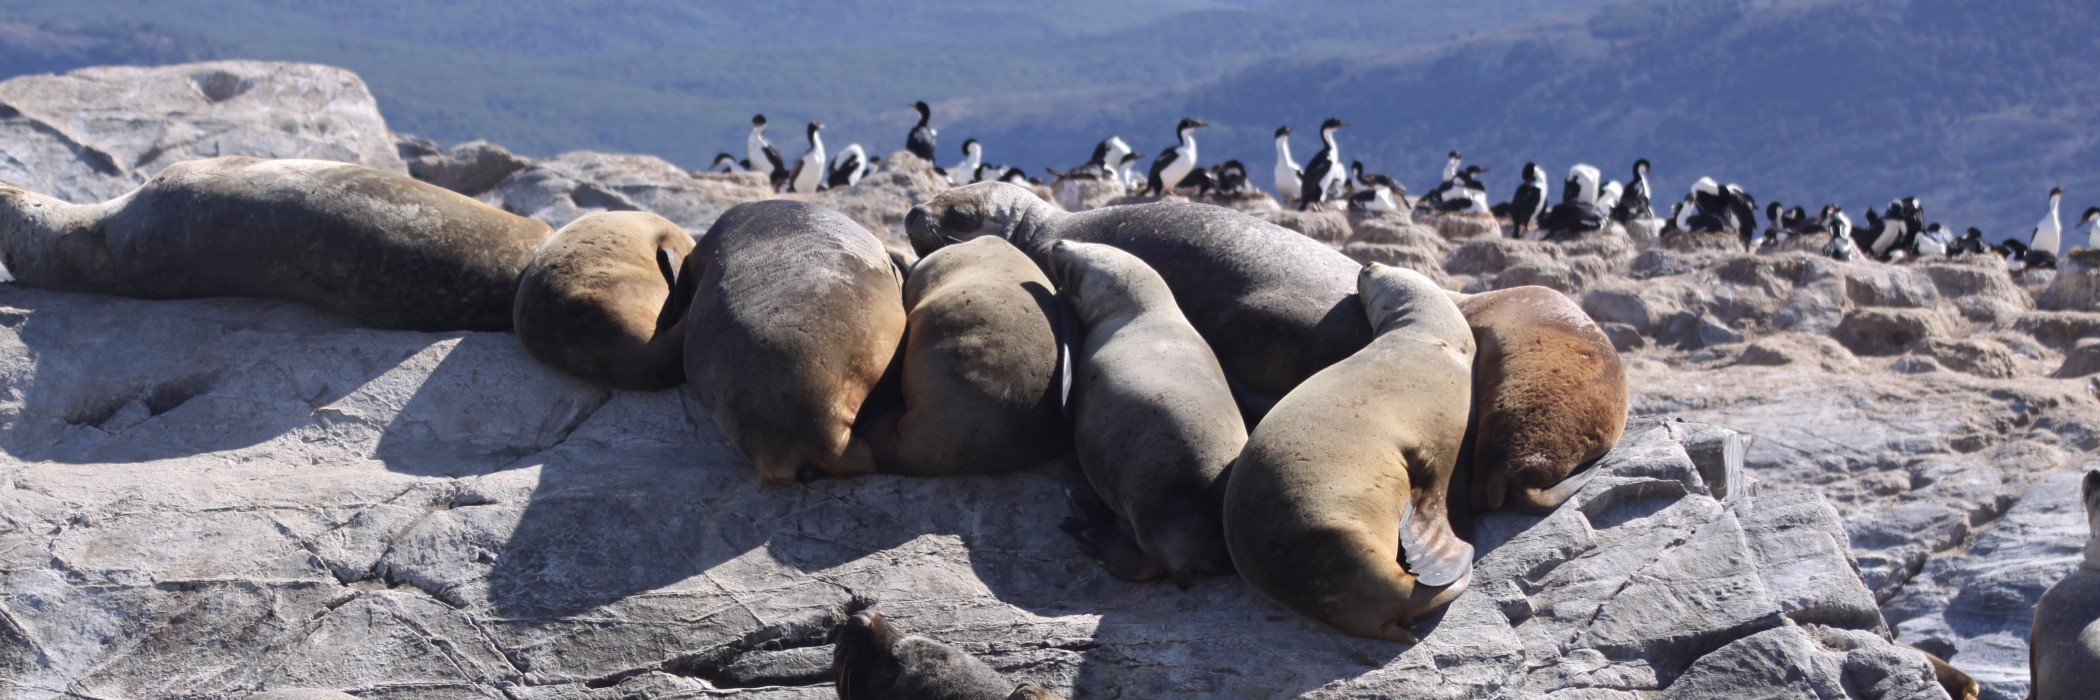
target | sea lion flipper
x=1094, y=527
x=1064, y=325
x=1435, y=554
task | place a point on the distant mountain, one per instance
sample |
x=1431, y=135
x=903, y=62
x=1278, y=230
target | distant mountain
x=681, y=80
x=1977, y=107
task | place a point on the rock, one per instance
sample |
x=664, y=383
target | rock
x=1981, y=602
x=1465, y=226
x=1572, y=275
x=1493, y=255
x=1808, y=349
x=1329, y=227
x=294, y=491
x=1657, y=262
x=302, y=694
x=1624, y=337
x=96, y=133
x=1691, y=331
x=1978, y=356
x=1424, y=261
x=1395, y=228
x=1256, y=202
x=2081, y=360
x=1980, y=287
x=1715, y=242
x=1076, y=195
x=1641, y=306
x=558, y=190
x=2076, y=286
x=2059, y=329
x=1810, y=661
x=1887, y=331
x=1873, y=284
x=470, y=168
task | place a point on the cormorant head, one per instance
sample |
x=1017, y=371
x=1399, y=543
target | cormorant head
x=1283, y=131
x=2058, y=192
x=2092, y=216
x=815, y=126
x=758, y=121
x=1534, y=173
x=1188, y=123
x=971, y=147
x=1454, y=154
x=1640, y=167
x=1332, y=123
x=924, y=111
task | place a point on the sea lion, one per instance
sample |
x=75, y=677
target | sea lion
x=1274, y=305
x=1153, y=420
x=1351, y=470
x=796, y=314
x=1549, y=396
x=2063, y=655
x=982, y=386
x=601, y=300
x=873, y=660
x=381, y=248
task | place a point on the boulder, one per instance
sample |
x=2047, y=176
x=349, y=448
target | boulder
x=2076, y=286
x=1980, y=287
x=291, y=491
x=470, y=168
x=1395, y=228
x=558, y=190
x=1981, y=602
x=1807, y=349
x=2081, y=360
x=1466, y=226
x=1888, y=331
x=95, y=133
x=1982, y=357
x=1074, y=194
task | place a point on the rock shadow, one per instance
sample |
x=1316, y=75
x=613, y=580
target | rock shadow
x=116, y=380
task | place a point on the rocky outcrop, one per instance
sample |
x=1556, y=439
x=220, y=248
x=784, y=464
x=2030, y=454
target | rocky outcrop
x=96, y=133
x=464, y=522
x=470, y=168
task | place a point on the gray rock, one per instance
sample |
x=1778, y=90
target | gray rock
x=96, y=133
x=2076, y=286
x=2081, y=360
x=1888, y=331
x=1981, y=602
x=470, y=168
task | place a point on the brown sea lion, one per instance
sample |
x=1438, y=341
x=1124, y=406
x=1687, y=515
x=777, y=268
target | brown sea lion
x=1274, y=305
x=1549, y=396
x=983, y=390
x=1351, y=470
x=796, y=314
x=601, y=301
x=381, y=248
x=1153, y=421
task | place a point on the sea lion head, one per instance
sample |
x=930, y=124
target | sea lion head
x=1395, y=295
x=983, y=209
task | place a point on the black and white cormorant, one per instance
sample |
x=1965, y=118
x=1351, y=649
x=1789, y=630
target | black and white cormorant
x=1101, y=165
x=764, y=158
x=1128, y=171
x=1288, y=173
x=848, y=168
x=2047, y=236
x=1934, y=242
x=1577, y=212
x=1841, y=245
x=1231, y=177
x=809, y=174
x=1529, y=202
x=725, y=163
x=1175, y=163
x=1380, y=191
x=1451, y=166
x=2091, y=223
x=1639, y=197
x=1324, y=177
x=1608, y=198
x=921, y=141
x=1970, y=243
x=965, y=172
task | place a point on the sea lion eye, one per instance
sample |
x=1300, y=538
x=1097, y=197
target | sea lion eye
x=959, y=220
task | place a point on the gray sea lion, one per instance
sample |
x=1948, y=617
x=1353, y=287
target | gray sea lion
x=982, y=386
x=1153, y=421
x=1274, y=305
x=873, y=660
x=2063, y=655
x=600, y=300
x=1549, y=396
x=378, y=247
x=1351, y=470
x=796, y=314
